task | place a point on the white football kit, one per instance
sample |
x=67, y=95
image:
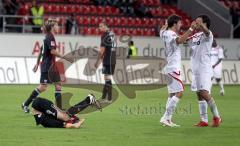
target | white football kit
x=201, y=62
x=173, y=57
x=216, y=54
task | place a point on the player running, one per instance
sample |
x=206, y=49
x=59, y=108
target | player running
x=49, y=115
x=107, y=55
x=48, y=54
x=169, y=34
x=201, y=44
x=216, y=61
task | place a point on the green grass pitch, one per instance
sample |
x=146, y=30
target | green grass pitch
x=125, y=122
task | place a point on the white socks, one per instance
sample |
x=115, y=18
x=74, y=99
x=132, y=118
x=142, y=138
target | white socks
x=213, y=107
x=171, y=105
x=221, y=86
x=203, y=110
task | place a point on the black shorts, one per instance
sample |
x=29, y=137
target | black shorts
x=44, y=78
x=108, y=69
x=45, y=106
x=48, y=121
x=49, y=77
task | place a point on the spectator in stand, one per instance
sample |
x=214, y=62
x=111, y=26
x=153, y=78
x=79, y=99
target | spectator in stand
x=22, y=11
x=234, y=13
x=71, y=25
x=37, y=11
x=10, y=7
x=169, y=2
x=1, y=13
x=142, y=11
x=100, y=2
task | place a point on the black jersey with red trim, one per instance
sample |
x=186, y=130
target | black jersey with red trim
x=48, y=58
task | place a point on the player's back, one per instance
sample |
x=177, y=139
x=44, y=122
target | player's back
x=202, y=46
x=172, y=51
x=48, y=58
x=108, y=41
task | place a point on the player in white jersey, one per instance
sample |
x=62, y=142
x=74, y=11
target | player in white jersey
x=169, y=34
x=201, y=43
x=216, y=62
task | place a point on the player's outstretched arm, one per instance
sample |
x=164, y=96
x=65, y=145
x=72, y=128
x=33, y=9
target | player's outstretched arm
x=56, y=53
x=184, y=37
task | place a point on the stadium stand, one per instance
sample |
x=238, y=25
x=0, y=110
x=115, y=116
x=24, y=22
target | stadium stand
x=234, y=9
x=88, y=16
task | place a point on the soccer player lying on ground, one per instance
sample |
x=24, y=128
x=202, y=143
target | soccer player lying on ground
x=49, y=115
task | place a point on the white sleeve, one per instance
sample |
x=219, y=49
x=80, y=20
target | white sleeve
x=220, y=53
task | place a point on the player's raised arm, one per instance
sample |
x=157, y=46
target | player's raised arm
x=163, y=28
x=184, y=37
x=204, y=29
x=203, y=24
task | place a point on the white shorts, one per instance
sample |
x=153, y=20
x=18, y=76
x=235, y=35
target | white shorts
x=203, y=81
x=217, y=72
x=175, y=83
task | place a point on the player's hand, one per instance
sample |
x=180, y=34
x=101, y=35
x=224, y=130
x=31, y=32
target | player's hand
x=194, y=25
x=213, y=66
x=35, y=68
x=163, y=27
x=200, y=25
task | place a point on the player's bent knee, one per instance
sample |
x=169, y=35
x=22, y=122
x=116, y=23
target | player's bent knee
x=58, y=87
x=179, y=94
x=107, y=77
x=42, y=87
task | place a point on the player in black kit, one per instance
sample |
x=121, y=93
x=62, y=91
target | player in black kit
x=107, y=56
x=48, y=53
x=49, y=115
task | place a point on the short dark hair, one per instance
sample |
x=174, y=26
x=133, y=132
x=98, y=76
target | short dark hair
x=173, y=19
x=131, y=43
x=205, y=19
